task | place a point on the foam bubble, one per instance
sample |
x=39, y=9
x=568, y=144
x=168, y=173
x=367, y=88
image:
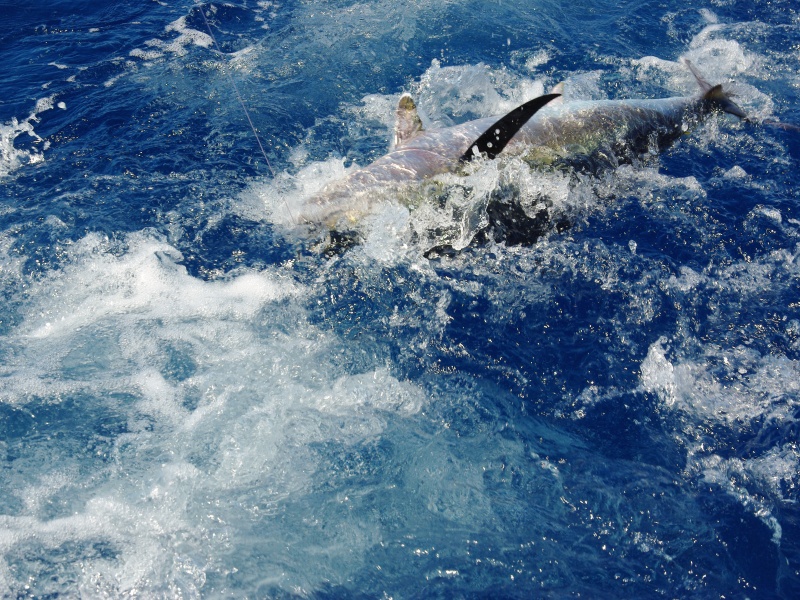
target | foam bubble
x=376, y=390
x=735, y=172
x=12, y=158
x=777, y=470
x=709, y=16
x=282, y=200
x=186, y=36
x=716, y=58
x=387, y=234
x=657, y=374
x=745, y=386
x=147, y=278
x=450, y=95
x=176, y=46
x=375, y=109
x=688, y=280
x=770, y=213
x=146, y=54
x=727, y=474
x=537, y=59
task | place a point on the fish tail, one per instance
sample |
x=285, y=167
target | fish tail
x=715, y=95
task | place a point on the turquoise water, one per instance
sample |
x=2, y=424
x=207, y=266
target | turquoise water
x=194, y=402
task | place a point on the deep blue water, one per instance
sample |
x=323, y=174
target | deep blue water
x=194, y=402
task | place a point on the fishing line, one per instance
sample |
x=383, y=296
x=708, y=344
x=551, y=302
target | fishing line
x=242, y=104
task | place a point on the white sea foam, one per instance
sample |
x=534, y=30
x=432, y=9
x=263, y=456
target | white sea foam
x=688, y=279
x=221, y=406
x=734, y=476
x=146, y=54
x=11, y=157
x=175, y=45
x=146, y=280
x=281, y=200
x=734, y=386
x=186, y=36
x=745, y=386
x=537, y=59
x=387, y=234
x=447, y=94
x=657, y=374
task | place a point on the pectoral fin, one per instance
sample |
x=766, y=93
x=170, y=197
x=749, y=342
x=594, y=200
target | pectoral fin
x=494, y=139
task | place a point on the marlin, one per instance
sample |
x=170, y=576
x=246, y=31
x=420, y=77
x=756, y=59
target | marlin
x=546, y=131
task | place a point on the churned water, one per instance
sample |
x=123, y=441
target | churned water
x=195, y=401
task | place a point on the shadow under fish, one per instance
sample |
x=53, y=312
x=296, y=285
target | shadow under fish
x=581, y=136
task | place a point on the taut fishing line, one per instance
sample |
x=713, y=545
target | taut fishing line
x=241, y=102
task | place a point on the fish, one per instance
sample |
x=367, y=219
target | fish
x=546, y=131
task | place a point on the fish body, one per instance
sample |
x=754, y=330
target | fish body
x=571, y=133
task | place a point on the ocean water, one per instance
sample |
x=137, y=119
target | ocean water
x=197, y=402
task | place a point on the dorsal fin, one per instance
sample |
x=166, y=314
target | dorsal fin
x=493, y=140
x=408, y=123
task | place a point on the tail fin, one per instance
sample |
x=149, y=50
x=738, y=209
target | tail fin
x=716, y=95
